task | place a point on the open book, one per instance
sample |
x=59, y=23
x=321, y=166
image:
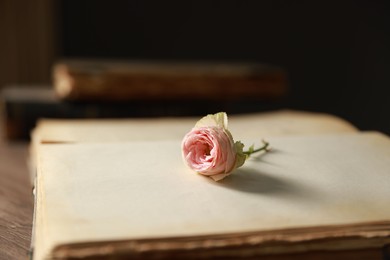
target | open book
x=136, y=198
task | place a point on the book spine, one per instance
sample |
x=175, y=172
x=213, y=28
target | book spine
x=82, y=82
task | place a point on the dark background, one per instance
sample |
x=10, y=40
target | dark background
x=336, y=53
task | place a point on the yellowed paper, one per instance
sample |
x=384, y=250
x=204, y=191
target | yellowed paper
x=134, y=190
x=257, y=125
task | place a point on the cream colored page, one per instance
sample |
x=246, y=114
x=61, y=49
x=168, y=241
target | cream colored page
x=256, y=126
x=276, y=123
x=143, y=190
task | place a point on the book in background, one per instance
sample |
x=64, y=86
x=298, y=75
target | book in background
x=120, y=80
x=109, y=89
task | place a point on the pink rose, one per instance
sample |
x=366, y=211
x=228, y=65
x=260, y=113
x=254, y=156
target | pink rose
x=209, y=148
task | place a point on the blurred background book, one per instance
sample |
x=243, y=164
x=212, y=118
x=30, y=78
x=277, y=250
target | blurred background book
x=330, y=57
x=128, y=89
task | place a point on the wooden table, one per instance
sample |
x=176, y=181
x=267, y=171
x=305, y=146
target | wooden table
x=16, y=201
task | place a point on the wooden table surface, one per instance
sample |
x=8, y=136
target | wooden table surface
x=16, y=201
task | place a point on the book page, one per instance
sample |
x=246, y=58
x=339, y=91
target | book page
x=143, y=190
x=257, y=125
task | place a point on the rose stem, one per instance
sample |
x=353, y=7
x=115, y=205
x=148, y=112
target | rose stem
x=263, y=148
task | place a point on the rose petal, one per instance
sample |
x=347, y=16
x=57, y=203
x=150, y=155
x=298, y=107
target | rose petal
x=219, y=119
x=219, y=177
